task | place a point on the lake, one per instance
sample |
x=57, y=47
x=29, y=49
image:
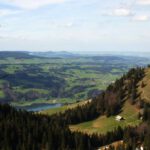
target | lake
x=39, y=107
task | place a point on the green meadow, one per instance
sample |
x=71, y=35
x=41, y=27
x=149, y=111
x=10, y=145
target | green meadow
x=25, y=81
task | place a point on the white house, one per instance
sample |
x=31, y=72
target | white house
x=141, y=148
x=119, y=118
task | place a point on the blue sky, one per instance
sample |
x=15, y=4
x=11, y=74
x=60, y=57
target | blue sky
x=75, y=25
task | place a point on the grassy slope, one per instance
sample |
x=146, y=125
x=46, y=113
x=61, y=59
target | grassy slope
x=2, y=94
x=101, y=124
x=28, y=103
x=115, y=144
x=104, y=124
x=63, y=108
x=130, y=113
x=145, y=91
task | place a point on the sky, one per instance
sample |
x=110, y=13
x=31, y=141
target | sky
x=75, y=25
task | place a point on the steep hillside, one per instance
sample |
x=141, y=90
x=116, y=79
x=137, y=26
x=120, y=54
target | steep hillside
x=21, y=130
x=144, y=86
x=105, y=124
x=130, y=110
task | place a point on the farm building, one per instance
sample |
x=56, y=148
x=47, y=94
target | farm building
x=141, y=148
x=119, y=118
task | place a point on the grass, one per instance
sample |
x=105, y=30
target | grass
x=145, y=91
x=41, y=91
x=115, y=144
x=103, y=124
x=129, y=112
x=2, y=95
x=38, y=101
x=28, y=103
x=11, y=69
x=54, y=110
x=63, y=108
x=73, y=76
x=74, y=71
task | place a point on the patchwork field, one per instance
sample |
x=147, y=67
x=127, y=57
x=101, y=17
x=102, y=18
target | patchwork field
x=26, y=79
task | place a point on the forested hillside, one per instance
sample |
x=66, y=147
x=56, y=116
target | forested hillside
x=22, y=130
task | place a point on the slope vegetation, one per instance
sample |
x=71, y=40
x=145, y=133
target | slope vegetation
x=144, y=86
x=104, y=124
x=130, y=111
x=21, y=130
x=63, y=108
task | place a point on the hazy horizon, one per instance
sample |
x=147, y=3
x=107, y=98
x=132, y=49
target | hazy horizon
x=91, y=53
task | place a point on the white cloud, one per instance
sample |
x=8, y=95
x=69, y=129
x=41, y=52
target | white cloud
x=144, y=2
x=6, y=12
x=141, y=18
x=64, y=24
x=32, y=4
x=119, y=12
x=122, y=12
x=69, y=24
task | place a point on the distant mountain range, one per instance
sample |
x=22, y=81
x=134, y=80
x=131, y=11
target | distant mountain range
x=52, y=54
x=66, y=54
x=15, y=54
x=27, y=54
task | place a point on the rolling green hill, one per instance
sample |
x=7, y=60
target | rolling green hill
x=26, y=79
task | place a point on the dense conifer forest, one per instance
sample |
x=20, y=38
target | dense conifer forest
x=21, y=130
